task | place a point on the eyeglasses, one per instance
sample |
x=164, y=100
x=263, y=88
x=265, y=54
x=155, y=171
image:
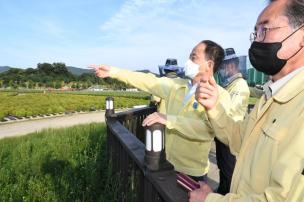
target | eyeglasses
x=260, y=33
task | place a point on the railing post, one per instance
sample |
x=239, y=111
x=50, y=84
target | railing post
x=109, y=106
x=155, y=155
x=110, y=143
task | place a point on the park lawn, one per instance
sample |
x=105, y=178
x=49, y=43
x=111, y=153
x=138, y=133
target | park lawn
x=66, y=164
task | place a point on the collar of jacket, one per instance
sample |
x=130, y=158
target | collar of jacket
x=232, y=79
x=291, y=89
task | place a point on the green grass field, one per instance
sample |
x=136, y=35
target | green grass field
x=26, y=104
x=57, y=165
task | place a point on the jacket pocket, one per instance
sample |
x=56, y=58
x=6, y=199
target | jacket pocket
x=262, y=159
x=275, y=129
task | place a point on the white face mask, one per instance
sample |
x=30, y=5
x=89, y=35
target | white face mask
x=191, y=69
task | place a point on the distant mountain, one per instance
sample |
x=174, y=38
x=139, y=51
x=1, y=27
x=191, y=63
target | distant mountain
x=78, y=71
x=146, y=71
x=74, y=70
x=4, y=68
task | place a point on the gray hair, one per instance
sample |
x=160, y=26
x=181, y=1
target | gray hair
x=294, y=11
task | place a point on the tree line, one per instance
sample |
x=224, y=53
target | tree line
x=54, y=76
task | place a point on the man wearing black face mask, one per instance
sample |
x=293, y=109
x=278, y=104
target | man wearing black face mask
x=264, y=55
x=269, y=142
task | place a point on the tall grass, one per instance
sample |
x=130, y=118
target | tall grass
x=57, y=165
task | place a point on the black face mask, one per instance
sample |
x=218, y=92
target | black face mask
x=263, y=56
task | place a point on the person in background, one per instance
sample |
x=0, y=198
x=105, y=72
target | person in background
x=188, y=133
x=256, y=91
x=231, y=79
x=170, y=71
x=259, y=90
x=269, y=142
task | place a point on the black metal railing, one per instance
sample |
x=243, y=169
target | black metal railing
x=126, y=154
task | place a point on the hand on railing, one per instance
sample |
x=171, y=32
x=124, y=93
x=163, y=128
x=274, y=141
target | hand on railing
x=156, y=117
x=101, y=71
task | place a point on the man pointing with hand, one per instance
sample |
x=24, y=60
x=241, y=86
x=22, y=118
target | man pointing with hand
x=188, y=134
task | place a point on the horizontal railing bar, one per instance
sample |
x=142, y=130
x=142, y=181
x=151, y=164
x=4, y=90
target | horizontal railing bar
x=133, y=112
x=166, y=185
x=134, y=147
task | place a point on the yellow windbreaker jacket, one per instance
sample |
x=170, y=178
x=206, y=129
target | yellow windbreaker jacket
x=269, y=144
x=239, y=93
x=188, y=132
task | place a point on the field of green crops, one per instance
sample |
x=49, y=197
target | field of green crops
x=33, y=103
x=57, y=165
x=25, y=104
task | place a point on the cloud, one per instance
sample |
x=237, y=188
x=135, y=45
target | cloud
x=135, y=13
x=142, y=33
x=172, y=28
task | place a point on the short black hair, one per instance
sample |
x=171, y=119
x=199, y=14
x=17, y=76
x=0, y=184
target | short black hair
x=294, y=11
x=214, y=52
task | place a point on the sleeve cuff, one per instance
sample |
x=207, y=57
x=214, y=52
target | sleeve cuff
x=215, y=112
x=171, y=120
x=215, y=115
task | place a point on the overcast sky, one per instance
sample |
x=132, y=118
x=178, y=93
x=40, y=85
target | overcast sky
x=133, y=34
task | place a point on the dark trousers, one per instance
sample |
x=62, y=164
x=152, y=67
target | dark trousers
x=225, y=163
x=198, y=178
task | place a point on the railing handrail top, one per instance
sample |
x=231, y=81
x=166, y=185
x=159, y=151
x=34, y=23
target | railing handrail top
x=134, y=111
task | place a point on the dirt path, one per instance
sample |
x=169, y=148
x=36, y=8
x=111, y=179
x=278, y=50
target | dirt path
x=30, y=126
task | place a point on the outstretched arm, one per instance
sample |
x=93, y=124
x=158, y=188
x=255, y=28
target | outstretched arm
x=144, y=81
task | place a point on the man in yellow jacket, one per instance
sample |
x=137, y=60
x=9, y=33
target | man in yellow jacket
x=169, y=72
x=188, y=141
x=269, y=142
